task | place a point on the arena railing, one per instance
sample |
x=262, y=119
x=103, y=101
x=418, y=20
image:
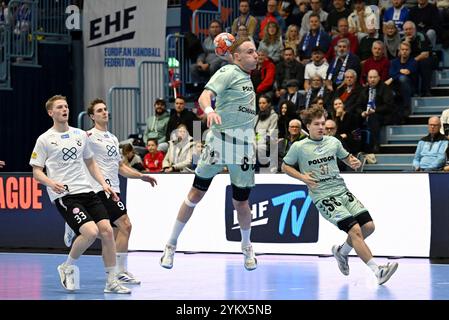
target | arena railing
x=51, y=21
x=5, y=66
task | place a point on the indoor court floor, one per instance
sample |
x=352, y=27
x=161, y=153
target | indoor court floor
x=205, y=276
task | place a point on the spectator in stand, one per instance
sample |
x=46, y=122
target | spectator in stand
x=421, y=49
x=180, y=115
x=343, y=61
x=349, y=92
x=402, y=75
x=271, y=16
x=263, y=76
x=348, y=127
x=427, y=20
x=272, y=41
x=287, y=112
x=377, y=61
x=152, y=162
x=292, y=39
x=314, y=37
x=343, y=33
x=293, y=95
x=315, y=10
x=208, y=62
x=338, y=12
x=366, y=45
x=258, y=8
x=286, y=69
x=244, y=19
x=392, y=40
x=317, y=90
x=377, y=101
x=242, y=32
x=430, y=154
x=398, y=13
x=295, y=134
x=285, y=9
x=362, y=19
x=180, y=150
x=131, y=159
x=266, y=133
x=318, y=66
x=157, y=125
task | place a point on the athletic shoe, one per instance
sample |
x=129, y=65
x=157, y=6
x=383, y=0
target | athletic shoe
x=69, y=235
x=69, y=275
x=342, y=260
x=249, y=258
x=127, y=278
x=386, y=271
x=167, y=258
x=115, y=287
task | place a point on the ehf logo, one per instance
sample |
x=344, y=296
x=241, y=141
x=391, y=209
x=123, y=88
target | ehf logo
x=280, y=214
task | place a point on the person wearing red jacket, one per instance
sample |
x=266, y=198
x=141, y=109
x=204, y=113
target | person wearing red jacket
x=263, y=76
x=152, y=162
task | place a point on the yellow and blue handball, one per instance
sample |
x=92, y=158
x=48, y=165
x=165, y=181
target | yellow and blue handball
x=223, y=43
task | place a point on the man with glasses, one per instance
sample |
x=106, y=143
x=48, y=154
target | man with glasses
x=431, y=151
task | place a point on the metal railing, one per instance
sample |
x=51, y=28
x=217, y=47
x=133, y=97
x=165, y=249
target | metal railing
x=23, y=17
x=84, y=122
x=51, y=19
x=175, y=52
x=124, y=107
x=153, y=82
x=5, y=45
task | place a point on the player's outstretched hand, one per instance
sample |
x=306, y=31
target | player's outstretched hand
x=212, y=118
x=354, y=163
x=149, y=179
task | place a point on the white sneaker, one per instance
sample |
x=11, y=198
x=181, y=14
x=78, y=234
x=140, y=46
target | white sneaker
x=127, y=277
x=342, y=260
x=386, y=271
x=115, y=287
x=69, y=235
x=249, y=258
x=167, y=258
x=70, y=276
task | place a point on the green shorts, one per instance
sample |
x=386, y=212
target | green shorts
x=340, y=207
x=222, y=151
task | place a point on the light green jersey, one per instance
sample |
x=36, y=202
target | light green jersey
x=320, y=159
x=235, y=100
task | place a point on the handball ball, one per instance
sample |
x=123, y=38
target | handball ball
x=223, y=43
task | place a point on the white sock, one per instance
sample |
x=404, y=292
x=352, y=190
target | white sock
x=177, y=228
x=70, y=261
x=110, y=273
x=373, y=265
x=345, y=249
x=245, y=237
x=122, y=261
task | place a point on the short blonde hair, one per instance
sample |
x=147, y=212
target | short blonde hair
x=49, y=103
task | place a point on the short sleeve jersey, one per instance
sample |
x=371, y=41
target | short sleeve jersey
x=105, y=148
x=235, y=99
x=63, y=154
x=320, y=159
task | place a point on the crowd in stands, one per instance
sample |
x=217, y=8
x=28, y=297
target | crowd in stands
x=362, y=60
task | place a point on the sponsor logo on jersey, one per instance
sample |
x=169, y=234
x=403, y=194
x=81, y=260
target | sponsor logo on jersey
x=76, y=210
x=280, y=214
x=247, y=110
x=34, y=155
x=65, y=136
x=321, y=160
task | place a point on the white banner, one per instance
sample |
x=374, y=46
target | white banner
x=118, y=35
x=398, y=203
